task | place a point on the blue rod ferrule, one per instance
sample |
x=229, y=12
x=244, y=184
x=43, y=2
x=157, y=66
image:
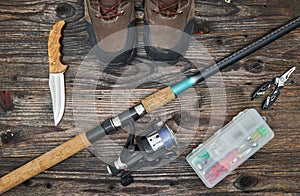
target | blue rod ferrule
x=182, y=86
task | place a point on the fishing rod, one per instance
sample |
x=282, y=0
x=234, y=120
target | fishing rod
x=136, y=112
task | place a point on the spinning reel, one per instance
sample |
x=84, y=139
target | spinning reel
x=148, y=149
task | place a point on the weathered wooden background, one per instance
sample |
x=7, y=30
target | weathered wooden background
x=222, y=28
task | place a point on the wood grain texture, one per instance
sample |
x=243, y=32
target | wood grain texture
x=54, y=47
x=221, y=29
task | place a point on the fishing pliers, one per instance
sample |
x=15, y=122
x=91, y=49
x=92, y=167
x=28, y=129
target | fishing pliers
x=278, y=82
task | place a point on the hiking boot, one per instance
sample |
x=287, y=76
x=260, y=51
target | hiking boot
x=169, y=25
x=109, y=25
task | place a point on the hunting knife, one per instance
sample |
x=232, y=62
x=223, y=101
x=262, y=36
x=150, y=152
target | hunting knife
x=56, y=72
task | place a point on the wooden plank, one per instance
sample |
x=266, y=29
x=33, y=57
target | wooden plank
x=221, y=28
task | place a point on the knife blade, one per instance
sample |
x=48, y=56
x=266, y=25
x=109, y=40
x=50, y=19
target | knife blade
x=56, y=71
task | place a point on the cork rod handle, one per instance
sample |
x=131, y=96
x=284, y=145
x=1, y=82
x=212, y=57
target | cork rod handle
x=43, y=162
x=158, y=99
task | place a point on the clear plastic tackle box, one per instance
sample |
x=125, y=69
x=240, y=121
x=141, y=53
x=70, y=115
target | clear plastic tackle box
x=230, y=146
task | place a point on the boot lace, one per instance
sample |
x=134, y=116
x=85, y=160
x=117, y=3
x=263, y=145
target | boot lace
x=169, y=10
x=110, y=12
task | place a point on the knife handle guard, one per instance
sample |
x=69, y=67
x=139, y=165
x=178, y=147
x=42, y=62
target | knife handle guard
x=54, y=55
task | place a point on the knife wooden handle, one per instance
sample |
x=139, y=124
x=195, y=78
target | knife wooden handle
x=54, y=55
x=43, y=162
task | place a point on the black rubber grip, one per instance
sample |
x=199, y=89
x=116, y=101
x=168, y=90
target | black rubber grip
x=129, y=115
x=95, y=134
